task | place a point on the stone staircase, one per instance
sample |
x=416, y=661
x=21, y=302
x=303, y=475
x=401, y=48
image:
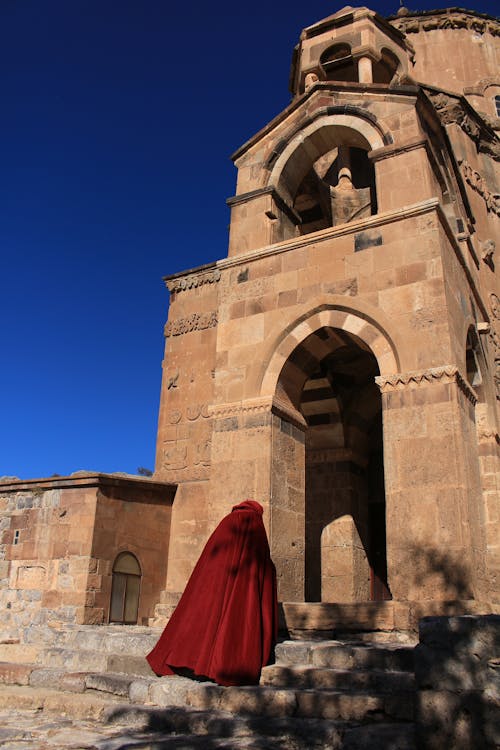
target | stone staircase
x=352, y=693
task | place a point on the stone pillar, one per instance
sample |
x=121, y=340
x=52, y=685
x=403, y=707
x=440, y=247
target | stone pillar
x=434, y=545
x=365, y=71
x=345, y=174
x=457, y=670
x=287, y=520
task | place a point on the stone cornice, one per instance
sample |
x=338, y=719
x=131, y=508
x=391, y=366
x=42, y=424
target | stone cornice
x=270, y=190
x=82, y=479
x=256, y=405
x=444, y=374
x=250, y=406
x=192, y=280
x=325, y=235
x=449, y=19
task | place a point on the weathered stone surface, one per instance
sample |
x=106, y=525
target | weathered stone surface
x=458, y=698
x=109, y=683
x=15, y=674
x=171, y=691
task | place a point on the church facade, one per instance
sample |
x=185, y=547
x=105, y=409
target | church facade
x=341, y=365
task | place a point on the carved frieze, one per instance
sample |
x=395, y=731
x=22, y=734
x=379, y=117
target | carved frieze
x=193, y=322
x=478, y=183
x=221, y=411
x=495, y=340
x=445, y=374
x=193, y=412
x=454, y=110
x=446, y=20
x=193, y=280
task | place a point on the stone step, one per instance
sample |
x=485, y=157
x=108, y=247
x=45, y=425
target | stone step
x=74, y=661
x=105, y=725
x=345, y=655
x=86, y=706
x=321, y=678
x=288, y=733
x=365, y=704
x=94, y=661
x=326, y=619
x=113, y=639
x=321, y=704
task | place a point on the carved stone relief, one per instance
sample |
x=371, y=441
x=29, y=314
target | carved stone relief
x=478, y=184
x=495, y=340
x=444, y=374
x=194, y=322
x=487, y=252
x=448, y=20
x=453, y=110
x=193, y=281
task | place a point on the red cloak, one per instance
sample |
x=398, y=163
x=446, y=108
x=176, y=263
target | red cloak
x=226, y=622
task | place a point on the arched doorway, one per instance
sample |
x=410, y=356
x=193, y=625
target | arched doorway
x=125, y=589
x=329, y=378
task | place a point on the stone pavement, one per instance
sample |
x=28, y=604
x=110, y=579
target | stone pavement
x=45, y=730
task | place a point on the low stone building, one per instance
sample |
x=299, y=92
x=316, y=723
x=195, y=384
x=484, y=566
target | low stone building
x=341, y=365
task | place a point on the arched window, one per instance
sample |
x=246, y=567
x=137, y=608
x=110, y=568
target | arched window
x=497, y=105
x=338, y=64
x=386, y=67
x=125, y=589
x=339, y=188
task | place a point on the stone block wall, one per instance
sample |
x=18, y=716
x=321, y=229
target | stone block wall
x=457, y=669
x=59, y=538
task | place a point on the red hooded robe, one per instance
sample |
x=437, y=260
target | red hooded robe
x=226, y=622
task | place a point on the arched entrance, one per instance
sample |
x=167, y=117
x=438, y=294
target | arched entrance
x=125, y=589
x=329, y=379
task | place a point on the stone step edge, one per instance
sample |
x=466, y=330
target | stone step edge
x=181, y=691
x=19, y=673
x=304, y=670
x=190, y=722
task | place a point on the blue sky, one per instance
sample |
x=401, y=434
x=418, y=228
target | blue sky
x=118, y=120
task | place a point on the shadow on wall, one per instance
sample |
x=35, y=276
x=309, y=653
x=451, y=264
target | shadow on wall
x=457, y=670
x=438, y=574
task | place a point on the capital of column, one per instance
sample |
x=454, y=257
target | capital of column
x=432, y=375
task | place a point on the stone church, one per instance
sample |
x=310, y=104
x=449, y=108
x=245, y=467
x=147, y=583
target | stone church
x=341, y=365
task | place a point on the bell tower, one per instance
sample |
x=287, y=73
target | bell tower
x=340, y=365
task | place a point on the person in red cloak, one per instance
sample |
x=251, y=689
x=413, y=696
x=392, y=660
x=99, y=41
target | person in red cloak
x=226, y=623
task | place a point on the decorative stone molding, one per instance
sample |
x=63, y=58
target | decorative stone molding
x=193, y=281
x=455, y=110
x=487, y=249
x=495, y=305
x=482, y=85
x=252, y=406
x=445, y=374
x=194, y=322
x=258, y=405
x=451, y=19
x=495, y=341
x=478, y=183
x=486, y=436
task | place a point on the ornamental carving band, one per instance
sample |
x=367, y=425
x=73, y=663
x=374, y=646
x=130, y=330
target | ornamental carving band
x=194, y=322
x=478, y=184
x=193, y=281
x=448, y=21
x=445, y=374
